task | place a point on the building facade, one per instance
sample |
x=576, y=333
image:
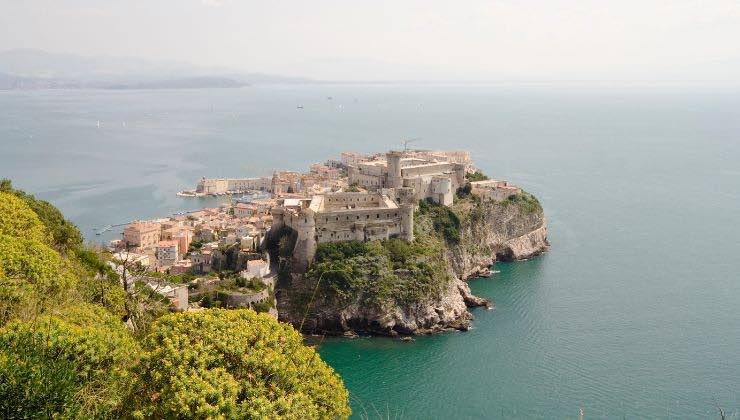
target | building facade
x=347, y=216
x=429, y=177
x=141, y=235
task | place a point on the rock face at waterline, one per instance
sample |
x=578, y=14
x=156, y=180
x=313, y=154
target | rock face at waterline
x=392, y=287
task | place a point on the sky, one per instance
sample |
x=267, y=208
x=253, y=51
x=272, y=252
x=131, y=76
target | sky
x=466, y=40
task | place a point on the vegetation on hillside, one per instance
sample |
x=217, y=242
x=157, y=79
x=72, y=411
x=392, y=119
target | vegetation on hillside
x=445, y=221
x=525, y=201
x=74, y=344
x=476, y=176
x=65, y=234
x=379, y=272
x=73, y=363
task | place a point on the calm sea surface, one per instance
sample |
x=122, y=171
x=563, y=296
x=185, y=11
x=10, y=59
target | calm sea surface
x=634, y=311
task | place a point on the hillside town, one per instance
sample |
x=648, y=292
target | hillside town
x=221, y=251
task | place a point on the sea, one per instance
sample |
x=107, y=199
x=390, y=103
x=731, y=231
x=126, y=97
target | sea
x=633, y=313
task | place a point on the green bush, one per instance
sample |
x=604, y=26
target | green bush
x=374, y=273
x=526, y=202
x=32, y=276
x=64, y=234
x=476, y=176
x=74, y=364
x=17, y=219
x=444, y=220
x=80, y=361
x=235, y=364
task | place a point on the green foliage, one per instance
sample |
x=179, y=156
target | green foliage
x=444, y=220
x=182, y=278
x=352, y=188
x=253, y=284
x=32, y=276
x=63, y=358
x=234, y=363
x=65, y=234
x=476, y=176
x=72, y=364
x=195, y=246
x=261, y=307
x=381, y=271
x=17, y=219
x=526, y=202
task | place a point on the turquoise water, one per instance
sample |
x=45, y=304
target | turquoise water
x=634, y=311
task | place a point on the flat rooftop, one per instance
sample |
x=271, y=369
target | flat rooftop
x=351, y=202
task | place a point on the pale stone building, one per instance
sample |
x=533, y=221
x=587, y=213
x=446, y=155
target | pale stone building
x=225, y=185
x=345, y=216
x=429, y=178
x=141, y=235
x=494, y=190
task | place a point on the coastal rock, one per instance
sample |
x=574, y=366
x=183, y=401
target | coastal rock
x=448, y=312
x=495, y=231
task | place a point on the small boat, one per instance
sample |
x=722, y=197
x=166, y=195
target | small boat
x=300, y=107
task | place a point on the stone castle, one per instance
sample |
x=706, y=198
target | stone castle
x=394, y=184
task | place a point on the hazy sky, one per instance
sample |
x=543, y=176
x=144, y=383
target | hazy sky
x=379, y=39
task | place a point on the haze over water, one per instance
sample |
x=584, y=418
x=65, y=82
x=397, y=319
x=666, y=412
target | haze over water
x=632, y=313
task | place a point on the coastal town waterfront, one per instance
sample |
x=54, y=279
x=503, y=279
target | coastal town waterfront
x=632, y=313
x=360, y=198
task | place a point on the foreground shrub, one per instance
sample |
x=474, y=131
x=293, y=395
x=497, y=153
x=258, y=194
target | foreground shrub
x=17, y=219
x=234, y=363
x=72, y=364
x=32, y=276
x=64, y=234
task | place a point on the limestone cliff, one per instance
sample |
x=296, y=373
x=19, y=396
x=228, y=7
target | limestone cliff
x=447, y=311
x=496, y=231
x=419, y=289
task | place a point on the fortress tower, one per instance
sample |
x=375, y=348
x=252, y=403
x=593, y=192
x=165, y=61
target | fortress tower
x=305, y=247
x=407, y=222
x=394, y=169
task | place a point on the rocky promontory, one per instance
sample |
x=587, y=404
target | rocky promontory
x=394, y=288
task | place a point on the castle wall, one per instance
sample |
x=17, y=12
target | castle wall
x=428, y=169
x=360, y=224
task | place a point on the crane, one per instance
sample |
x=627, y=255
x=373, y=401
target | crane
x=406, y=143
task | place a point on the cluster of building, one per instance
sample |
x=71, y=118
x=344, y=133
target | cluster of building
x=320, y=178
x=389, y=186
x=188, y=242
x=356, y=197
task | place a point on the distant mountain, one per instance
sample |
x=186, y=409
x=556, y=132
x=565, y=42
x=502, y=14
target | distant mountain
x=34, y=69
x=186, y=83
